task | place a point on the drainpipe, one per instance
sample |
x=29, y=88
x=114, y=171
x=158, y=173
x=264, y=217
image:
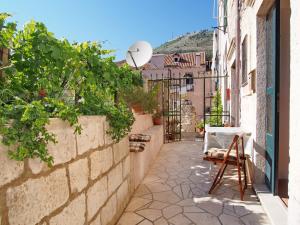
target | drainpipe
x=238, y=62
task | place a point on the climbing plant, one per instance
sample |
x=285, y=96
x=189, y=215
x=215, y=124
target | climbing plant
x=48, y=77
x=216, y=110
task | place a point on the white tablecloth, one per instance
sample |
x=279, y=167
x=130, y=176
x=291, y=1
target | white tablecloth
x=221, y=137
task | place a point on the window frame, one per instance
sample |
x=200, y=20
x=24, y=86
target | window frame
x=244, y=68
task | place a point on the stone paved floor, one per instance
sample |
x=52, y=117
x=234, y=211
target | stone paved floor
x=175, y=192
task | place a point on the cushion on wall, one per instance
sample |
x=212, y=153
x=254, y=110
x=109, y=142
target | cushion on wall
x=139, y=137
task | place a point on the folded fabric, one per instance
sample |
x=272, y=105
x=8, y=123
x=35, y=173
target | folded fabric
x=139, y=137
x=137, y=146
x=217, y=153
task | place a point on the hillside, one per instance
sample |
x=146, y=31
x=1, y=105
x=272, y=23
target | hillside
x=190, y=42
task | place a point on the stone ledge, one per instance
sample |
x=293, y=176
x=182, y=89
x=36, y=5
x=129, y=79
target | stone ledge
x=153, y=130
x=272, y=205
x=92, y=134
x=141, y=123
x=120, y=150
x=65, y=149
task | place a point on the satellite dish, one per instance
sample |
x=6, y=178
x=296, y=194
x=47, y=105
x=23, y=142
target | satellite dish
x=139, y=54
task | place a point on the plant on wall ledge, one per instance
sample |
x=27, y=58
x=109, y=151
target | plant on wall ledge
x=47, y=77
x=140, y=100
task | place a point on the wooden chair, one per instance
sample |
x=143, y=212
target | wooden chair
x=230, y=156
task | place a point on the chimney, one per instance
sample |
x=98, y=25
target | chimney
x=198, y=59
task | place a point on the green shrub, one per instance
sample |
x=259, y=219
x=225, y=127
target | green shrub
x=217, y=109
x=146, y=100
x=48, y=77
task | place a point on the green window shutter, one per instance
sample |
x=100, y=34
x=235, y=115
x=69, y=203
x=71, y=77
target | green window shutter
x=225, y=15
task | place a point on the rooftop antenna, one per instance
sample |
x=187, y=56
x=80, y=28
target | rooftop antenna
x=139, y=54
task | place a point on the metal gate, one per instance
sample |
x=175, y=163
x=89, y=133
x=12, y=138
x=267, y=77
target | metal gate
x=173, y=100
x=172, y=109
x=170, y=89
x=216, y=111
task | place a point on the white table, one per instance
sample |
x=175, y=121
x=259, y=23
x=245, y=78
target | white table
x=221, y=137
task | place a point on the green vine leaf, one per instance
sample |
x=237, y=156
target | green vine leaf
x=48, y=77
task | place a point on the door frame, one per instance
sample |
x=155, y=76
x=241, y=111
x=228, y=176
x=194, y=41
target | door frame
x=277, y=91
x=274, y=168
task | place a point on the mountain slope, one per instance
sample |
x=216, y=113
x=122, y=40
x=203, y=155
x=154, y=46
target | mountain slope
x=190, y=42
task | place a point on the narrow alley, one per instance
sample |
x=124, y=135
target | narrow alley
x=175, y=192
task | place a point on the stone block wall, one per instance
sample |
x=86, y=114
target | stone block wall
x=89, y=182
x=261, y=70
x=142, y=122
x=141, y=161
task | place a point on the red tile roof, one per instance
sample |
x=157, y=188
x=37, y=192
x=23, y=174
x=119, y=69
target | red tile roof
x=186, y=60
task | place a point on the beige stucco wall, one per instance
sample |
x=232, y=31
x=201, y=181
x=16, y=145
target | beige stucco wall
x=248, y=99
x=89, y=183
x=294, y=166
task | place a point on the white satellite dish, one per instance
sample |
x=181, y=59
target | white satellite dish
x=139, y=54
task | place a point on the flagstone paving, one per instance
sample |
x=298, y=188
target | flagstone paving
x=174, y=192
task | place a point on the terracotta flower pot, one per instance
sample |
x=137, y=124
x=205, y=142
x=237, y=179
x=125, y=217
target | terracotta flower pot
x=200, y=131
x=157, y=121
x=138, y=109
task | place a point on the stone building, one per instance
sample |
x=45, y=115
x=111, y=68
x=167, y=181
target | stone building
x=256, y=45
x=189, y=69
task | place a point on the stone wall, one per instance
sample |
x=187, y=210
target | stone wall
x=294, y=166
x=89, y=182
x=261, y=70
x=142, y=122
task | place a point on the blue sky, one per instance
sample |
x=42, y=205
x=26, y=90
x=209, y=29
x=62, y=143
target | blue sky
x=117, y=23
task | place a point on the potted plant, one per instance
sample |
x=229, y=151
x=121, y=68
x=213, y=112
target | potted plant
x=140, y=100
x=134, y=99
x=157, y=118
x=200, y=128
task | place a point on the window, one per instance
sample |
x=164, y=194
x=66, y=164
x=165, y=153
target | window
x=189, y=81
x=253, y=81
x=225, y=15
x=244, y=62
x=176, y=57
